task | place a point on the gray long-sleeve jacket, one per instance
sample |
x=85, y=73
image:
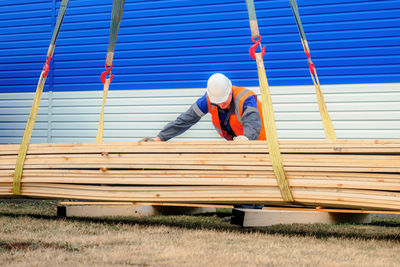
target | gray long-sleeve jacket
x=251, y=122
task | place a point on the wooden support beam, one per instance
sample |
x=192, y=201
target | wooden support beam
x=86, y=203
x=127, y=209
x=105, y=210
x=267, y=217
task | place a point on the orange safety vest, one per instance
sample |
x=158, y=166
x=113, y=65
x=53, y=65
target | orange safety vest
x=240, y=94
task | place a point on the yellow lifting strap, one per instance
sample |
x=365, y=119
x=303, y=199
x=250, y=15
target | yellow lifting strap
x=116, y=17
x=326, y=119
x=100, y=128
x=323, y=110
x=19, y=166
x=267, y=110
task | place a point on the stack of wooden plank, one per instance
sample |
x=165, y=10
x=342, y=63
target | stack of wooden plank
x=340, y=173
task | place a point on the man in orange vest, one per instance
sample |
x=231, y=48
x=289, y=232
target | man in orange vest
x=236, y=113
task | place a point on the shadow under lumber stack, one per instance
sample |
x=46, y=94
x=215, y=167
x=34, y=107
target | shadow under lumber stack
x=340, y=173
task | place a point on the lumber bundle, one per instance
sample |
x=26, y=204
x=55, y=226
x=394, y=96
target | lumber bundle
x=330, y=173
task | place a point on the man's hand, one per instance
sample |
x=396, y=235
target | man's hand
x=147, y=139
x=150, y=139
x=240, y=138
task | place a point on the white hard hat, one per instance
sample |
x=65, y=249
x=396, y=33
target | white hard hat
x=219, y=88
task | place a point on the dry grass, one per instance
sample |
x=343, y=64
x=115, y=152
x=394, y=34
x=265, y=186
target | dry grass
x=31, y=234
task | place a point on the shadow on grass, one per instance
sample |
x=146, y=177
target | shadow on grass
x=379, y=229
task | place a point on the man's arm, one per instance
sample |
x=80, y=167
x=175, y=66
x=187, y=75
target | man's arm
x=184, y=121
x=251, y=119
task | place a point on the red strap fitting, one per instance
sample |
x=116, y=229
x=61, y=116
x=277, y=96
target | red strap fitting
x=310, y=63
x=105, y=73
x=46, y=67
x=312, y=67
x=252, y=50
x=307, y=54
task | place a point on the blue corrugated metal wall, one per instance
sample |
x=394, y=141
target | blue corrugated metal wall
x=177, y=44
x=25, y=33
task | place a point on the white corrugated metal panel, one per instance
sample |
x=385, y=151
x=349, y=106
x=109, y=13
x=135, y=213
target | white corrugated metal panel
x=129, y=115
x=14, y=112
x=357, y=111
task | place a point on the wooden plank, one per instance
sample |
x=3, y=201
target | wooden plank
x=135, y=210
x=374, y=184
x=133, y=173
x=197, y=173
x=265, y=217
x=337, y=146
x=255, y=158
x=106, y=166
x=106, y=210
x=85, y=203
x=369, y=164
x=383, y=163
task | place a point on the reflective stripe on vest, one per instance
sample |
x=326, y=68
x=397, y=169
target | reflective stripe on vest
x=239, y=101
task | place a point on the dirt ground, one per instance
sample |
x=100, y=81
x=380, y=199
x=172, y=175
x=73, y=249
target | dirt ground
x=32, y=235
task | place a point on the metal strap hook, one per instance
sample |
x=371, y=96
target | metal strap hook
x=252, y=50
x=105, y=73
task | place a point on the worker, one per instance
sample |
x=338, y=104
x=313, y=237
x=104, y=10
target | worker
x=235, y=112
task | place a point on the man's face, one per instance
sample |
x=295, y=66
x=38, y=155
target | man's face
x=227, y=103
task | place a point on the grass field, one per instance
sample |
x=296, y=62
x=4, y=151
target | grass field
x=31, y=234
